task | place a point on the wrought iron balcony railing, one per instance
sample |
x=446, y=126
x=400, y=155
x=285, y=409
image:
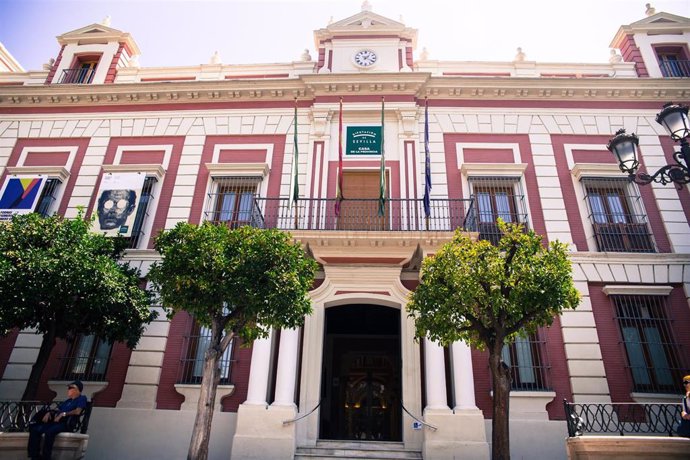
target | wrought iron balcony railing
x=362, y=215
x=678, y=69
x=77, y=76
x=621, y=418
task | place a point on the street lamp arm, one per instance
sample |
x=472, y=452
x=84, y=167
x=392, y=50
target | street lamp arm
x=677, y=173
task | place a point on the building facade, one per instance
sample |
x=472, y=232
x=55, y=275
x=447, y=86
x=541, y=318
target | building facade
x=521, y=140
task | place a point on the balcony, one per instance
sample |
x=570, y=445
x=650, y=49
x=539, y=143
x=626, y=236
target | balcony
x=675, y=69
x=401, y=215
x=623, y=237
x=77, y=76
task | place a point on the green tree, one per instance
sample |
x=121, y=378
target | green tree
x=487, y=295
x=63, y=280
x=237, y=282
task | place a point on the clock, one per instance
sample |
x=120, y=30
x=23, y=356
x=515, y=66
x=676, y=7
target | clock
x=365, y=58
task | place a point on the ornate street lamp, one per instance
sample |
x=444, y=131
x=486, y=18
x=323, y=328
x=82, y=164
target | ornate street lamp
x=625, y=147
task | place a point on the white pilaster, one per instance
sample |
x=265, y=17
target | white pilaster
x=287, y=368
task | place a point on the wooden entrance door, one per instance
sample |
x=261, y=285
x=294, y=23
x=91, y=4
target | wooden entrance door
x=360, y=207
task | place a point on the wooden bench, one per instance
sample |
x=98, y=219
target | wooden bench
x=14, y=419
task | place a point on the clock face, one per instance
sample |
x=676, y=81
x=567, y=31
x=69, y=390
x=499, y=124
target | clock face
x=365, y=58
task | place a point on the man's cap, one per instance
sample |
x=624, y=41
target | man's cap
x=78, y=384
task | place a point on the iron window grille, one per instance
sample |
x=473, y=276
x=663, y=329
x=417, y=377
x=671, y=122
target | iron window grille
x=233, y=201
x=528, y=362
x=142, y=212
x=194, y=345
x=653, y=356
x=48, y=197
x=617, y=215
x=497, y=197
x=86, y=359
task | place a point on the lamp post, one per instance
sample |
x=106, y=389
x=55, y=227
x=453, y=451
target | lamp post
x=625, y=147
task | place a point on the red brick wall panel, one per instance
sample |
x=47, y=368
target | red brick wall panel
x=133, y=157
x=239, y=377
x=112, y=69
x=46, y=158
x=631, y=53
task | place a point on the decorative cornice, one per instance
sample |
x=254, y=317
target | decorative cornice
x=52, y=171
x=154, y=170
x=627, y=289
x=307, y=87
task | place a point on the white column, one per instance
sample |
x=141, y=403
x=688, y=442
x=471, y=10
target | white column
x=258, y=371
x=286, y=376
x=463, y=376
x=435, y=376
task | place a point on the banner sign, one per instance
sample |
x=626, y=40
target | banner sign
x=20, y=195
x=116, y=206
x=363, y=140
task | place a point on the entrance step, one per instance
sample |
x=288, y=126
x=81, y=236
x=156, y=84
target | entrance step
x=359, y=450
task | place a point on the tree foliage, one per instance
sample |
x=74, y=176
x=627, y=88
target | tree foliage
x=237, y=282
x=486, y=295
x=61, y=279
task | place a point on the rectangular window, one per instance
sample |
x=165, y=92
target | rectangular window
x=48, y=199
x=618, y=219
x=87, y=359
x=673, y=61
x=142, y=212
x=192, y=364
x=497, y=197
x=233, y=202
x=654, y=357
x=528, y=363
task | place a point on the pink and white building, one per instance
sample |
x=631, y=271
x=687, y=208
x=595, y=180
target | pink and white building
x=521, y=140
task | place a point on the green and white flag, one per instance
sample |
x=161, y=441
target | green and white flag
x=294, y=194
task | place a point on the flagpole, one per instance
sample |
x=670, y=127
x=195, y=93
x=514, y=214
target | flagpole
x=382, y=188
x=427, y=165
x=295, y=168
x=339, y=181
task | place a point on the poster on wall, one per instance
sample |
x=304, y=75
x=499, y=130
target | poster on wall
x=116, y=204
x=20, y=195
x=363, y=140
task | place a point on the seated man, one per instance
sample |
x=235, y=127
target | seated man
x=57, y=421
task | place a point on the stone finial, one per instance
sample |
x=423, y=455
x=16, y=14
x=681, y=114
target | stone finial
x=424, y=55
x=134, y=61
x=615, y=58
x=401, y=20
x=49, y=65
x=306, y=57
x=520, y=56
x=215, y=59
x=366, y=6
x=650, y=11
x=106, y=21
x=330, y=20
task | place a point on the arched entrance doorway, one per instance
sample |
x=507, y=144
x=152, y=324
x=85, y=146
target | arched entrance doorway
x=361, y=383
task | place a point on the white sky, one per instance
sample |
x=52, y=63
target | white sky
x=176, y=32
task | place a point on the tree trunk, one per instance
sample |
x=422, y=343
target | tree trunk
x=37, y=369
x=198, y=446
x=500, y=374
